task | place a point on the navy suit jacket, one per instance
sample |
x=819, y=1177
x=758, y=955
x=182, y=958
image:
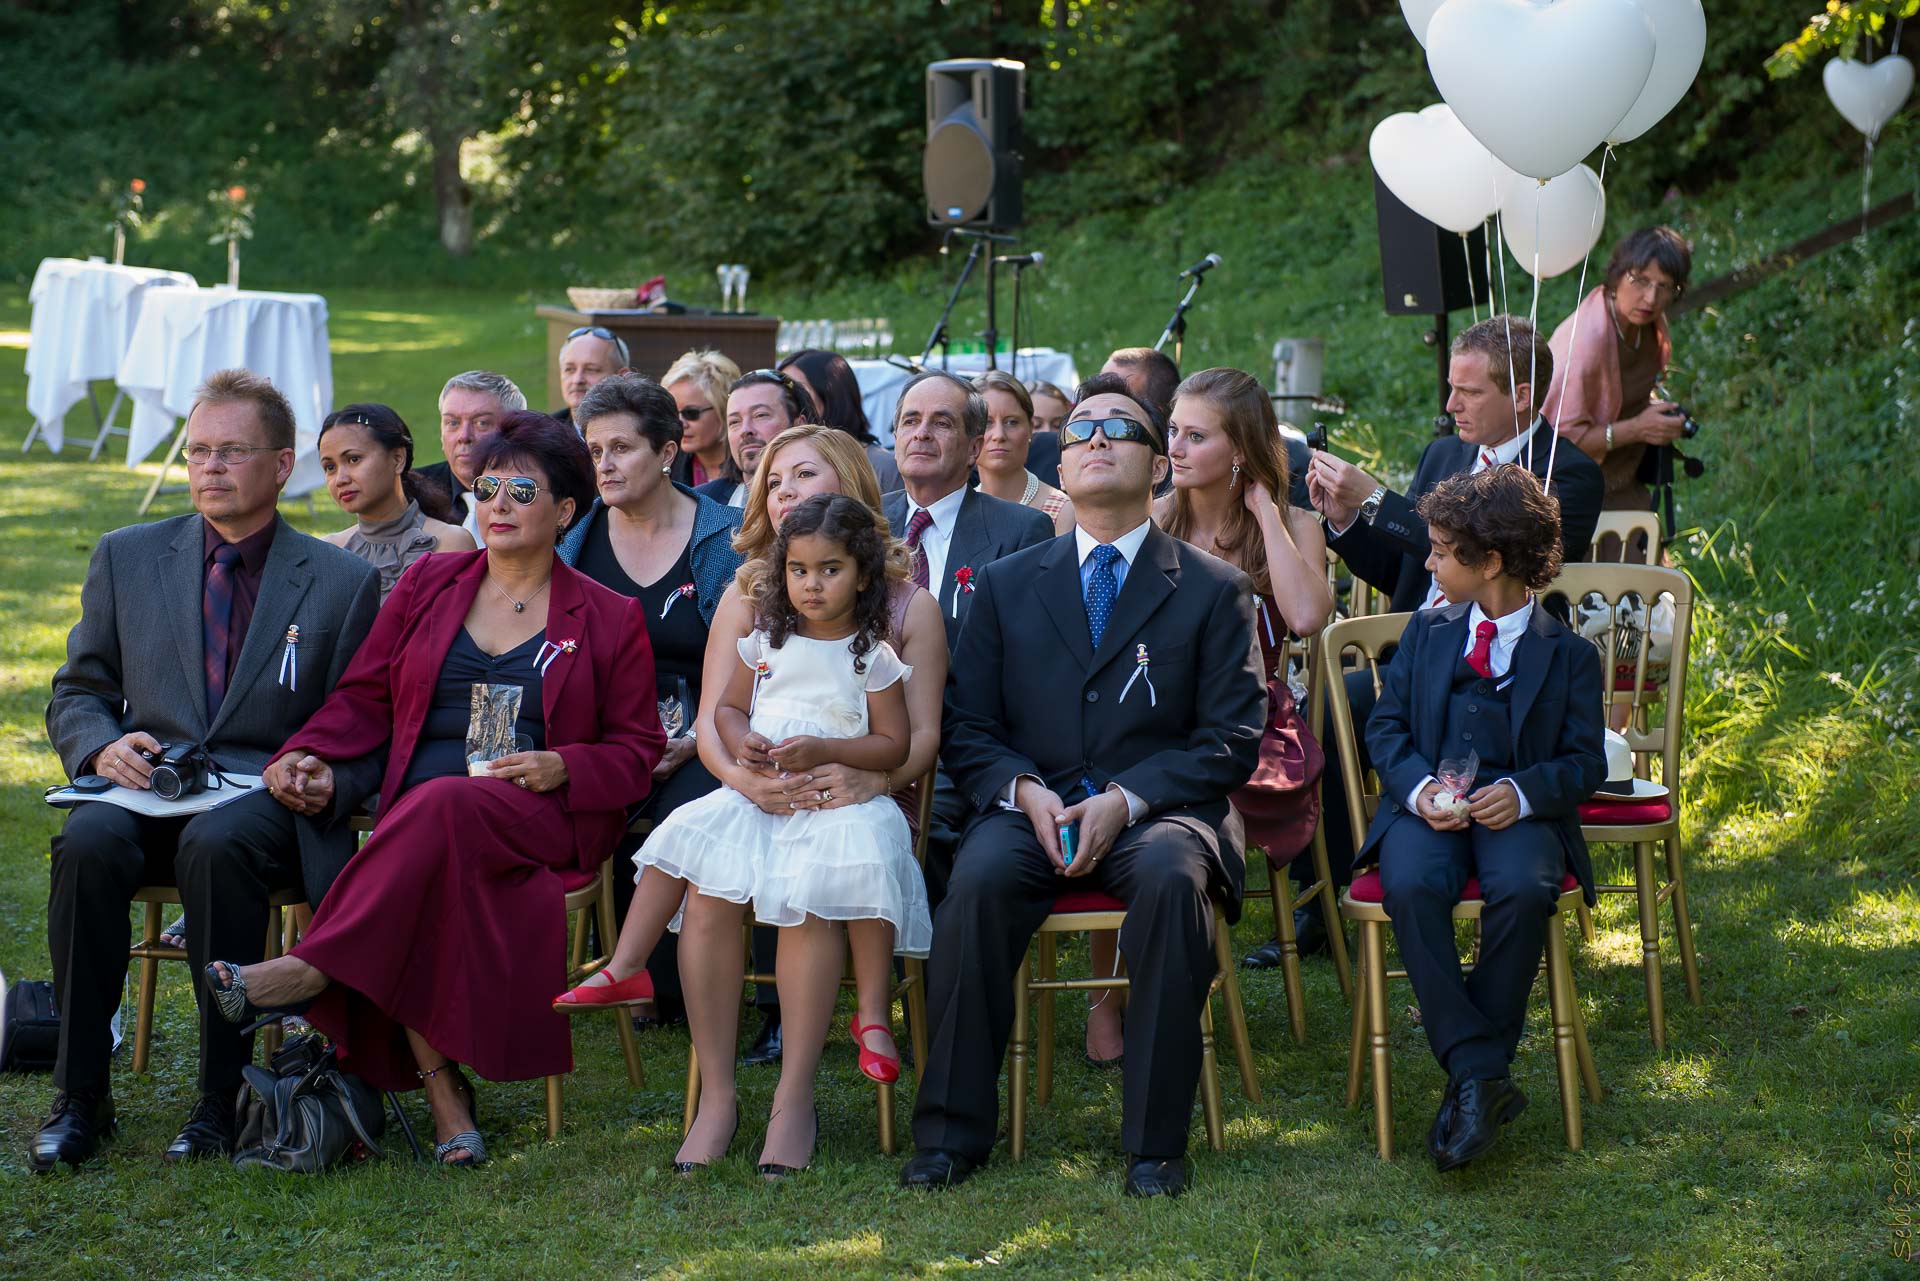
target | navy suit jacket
x=986, y=529
x=1391, y=553
x=1554, y=709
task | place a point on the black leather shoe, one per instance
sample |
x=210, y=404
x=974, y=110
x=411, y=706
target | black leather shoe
x=208, y=1132
x=1442, y=1120
x=1480, y=1110
x=767, y=1046
x=79, y=1121
x=1264, y=957
x=1310, y=931
x=937, y=1169
x=1156, y=1176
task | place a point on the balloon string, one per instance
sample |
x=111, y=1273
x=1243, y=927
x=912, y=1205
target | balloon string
x=1866, y=185
x=1579, y=298
x=1533, y=323
x=1466, y=252
x=1506, y=313
x=1492, y=229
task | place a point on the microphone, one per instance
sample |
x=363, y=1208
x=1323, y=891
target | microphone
x=1202, y=267
x=1033, y=259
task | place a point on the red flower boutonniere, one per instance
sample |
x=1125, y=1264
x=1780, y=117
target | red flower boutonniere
x=963, y=584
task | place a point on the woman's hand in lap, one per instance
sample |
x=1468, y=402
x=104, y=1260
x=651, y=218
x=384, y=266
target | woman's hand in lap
x=679, y=752
x=536, y=771
x=830, y=786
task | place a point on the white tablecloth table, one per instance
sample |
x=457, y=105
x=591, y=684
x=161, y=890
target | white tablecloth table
x=184, y=336
x=880, y=382
x=84, y=314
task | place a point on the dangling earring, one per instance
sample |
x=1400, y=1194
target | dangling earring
x=1236, y=476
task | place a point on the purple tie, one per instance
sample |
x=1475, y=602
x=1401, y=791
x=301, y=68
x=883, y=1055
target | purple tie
x=916, y=527
x=216, y=618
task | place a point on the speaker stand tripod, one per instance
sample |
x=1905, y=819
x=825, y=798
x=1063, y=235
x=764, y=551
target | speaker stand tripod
x=940, y=337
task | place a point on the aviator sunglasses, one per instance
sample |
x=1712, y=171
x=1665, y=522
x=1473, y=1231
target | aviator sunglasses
x=1079, y=431
x=520, y=489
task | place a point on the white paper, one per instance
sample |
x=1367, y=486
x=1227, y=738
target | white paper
x=145, y=802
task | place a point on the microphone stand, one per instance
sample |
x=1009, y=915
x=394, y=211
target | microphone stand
x=1177, y=327
x=940, y=337
x=1013, y=356
x=990, y=335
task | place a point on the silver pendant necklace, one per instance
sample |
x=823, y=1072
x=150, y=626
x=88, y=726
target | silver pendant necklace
x=519, y=606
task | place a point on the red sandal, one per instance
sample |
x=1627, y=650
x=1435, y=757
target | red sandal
x=632, y=990
x=884, y=1068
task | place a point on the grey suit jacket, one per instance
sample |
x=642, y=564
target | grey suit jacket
x=135, y=661
x=986, y=529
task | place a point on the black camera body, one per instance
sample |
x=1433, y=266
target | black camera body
x=1317, y=438
x=179, y=769
x=1688, y=428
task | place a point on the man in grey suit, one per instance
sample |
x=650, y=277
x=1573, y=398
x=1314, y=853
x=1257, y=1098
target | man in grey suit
x=225, y=628
x=953, y=531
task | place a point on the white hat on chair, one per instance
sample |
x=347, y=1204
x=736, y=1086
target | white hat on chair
x=1621, y=785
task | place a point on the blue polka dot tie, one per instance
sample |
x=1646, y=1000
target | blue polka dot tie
x=1102, y=588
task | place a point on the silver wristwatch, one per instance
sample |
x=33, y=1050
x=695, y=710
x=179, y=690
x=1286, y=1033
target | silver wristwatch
x=1370, y=506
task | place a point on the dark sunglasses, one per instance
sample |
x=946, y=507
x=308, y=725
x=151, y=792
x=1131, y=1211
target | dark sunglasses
x=520, y=489
x=602, y=332
x=691, y=413
x=1078, y=431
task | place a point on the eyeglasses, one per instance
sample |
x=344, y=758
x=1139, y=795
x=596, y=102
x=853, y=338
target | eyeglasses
x=602, y=332
x=1078, y=431
x=1662, y=291
x=692, y=413
x=520, y=489
x=229, y=455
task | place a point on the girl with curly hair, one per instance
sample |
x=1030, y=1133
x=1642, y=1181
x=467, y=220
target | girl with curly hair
x=816, y=682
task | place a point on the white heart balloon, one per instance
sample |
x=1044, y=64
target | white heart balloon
x=1418, y=14
x=1438, y=169
x=1679, y=43
x=1540, y=86
x=1868, y=93
x=1571, y=209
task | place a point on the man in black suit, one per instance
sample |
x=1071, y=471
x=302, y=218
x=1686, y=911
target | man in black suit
x=1498, y=384
x=1493, y=677
x=471, y=405
x=225, y=628
x=1104, y=680
x=952, y=530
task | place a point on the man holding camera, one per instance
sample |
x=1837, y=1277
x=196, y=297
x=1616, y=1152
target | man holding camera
x=219, y=632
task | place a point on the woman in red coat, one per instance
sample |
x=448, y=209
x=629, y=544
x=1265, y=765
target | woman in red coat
x=443, y=941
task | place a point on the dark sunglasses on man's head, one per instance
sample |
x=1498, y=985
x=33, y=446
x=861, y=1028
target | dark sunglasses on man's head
x=1078, y=431
x=520, y=489
x=602, y=332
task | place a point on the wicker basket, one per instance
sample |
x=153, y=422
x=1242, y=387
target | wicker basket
x=601, y=299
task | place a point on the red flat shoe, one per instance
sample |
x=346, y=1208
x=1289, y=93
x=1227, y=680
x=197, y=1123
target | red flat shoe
x=884, y=1068
x=631, y=990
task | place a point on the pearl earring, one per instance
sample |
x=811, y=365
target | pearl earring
x=666, y=471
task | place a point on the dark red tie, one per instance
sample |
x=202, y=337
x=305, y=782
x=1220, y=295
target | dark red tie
x=216, y=622
x=915, y=528
x=1481, y=660
x=1486, y=459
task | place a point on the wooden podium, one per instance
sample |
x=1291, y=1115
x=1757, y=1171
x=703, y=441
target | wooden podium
x=655, y=341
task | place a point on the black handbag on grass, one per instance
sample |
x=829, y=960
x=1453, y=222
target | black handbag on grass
x=32, y=1032
x=304, y=1115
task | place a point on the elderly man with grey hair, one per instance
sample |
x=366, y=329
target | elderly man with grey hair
x=591, y=354
x=471, y=405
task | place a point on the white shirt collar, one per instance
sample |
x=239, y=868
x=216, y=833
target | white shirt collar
x=1128, y=544
x=943, y=510
x=1508, y=451
x=1507, y=630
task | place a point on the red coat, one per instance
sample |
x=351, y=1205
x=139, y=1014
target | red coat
x=601, y=716
x=449, y=920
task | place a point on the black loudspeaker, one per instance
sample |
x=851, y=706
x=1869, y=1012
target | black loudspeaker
x=1422, y=265
x=972, y=164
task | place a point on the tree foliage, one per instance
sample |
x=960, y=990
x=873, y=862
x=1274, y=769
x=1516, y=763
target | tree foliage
x=1842, y=28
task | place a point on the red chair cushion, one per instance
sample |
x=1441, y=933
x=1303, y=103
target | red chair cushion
x=1087, y=901
x=1366, y=887
x=1625, y=813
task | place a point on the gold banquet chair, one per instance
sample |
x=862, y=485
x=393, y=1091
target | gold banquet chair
x=1083, y=911
x=911, y=991
x=1362, y=904
x=150, y=951
x=1634, y=533
x=1642, y=825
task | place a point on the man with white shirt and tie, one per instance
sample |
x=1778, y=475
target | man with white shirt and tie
x=471, y=405
x=1106, y=680
x=952, y=530
x=1499, y=373
x=1495, y=684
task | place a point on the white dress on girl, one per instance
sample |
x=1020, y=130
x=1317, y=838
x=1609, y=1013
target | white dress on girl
x=847, y=864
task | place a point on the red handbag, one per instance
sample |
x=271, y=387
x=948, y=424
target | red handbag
x=1281, y=802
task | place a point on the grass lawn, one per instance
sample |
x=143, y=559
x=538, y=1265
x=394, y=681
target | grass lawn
x=1762, y=1144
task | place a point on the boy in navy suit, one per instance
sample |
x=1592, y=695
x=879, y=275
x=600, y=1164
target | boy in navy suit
x=1494, y=676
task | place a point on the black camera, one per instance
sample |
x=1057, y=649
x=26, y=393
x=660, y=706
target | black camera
x=1317, y=438
x=1688, y=428
x=179, y=769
